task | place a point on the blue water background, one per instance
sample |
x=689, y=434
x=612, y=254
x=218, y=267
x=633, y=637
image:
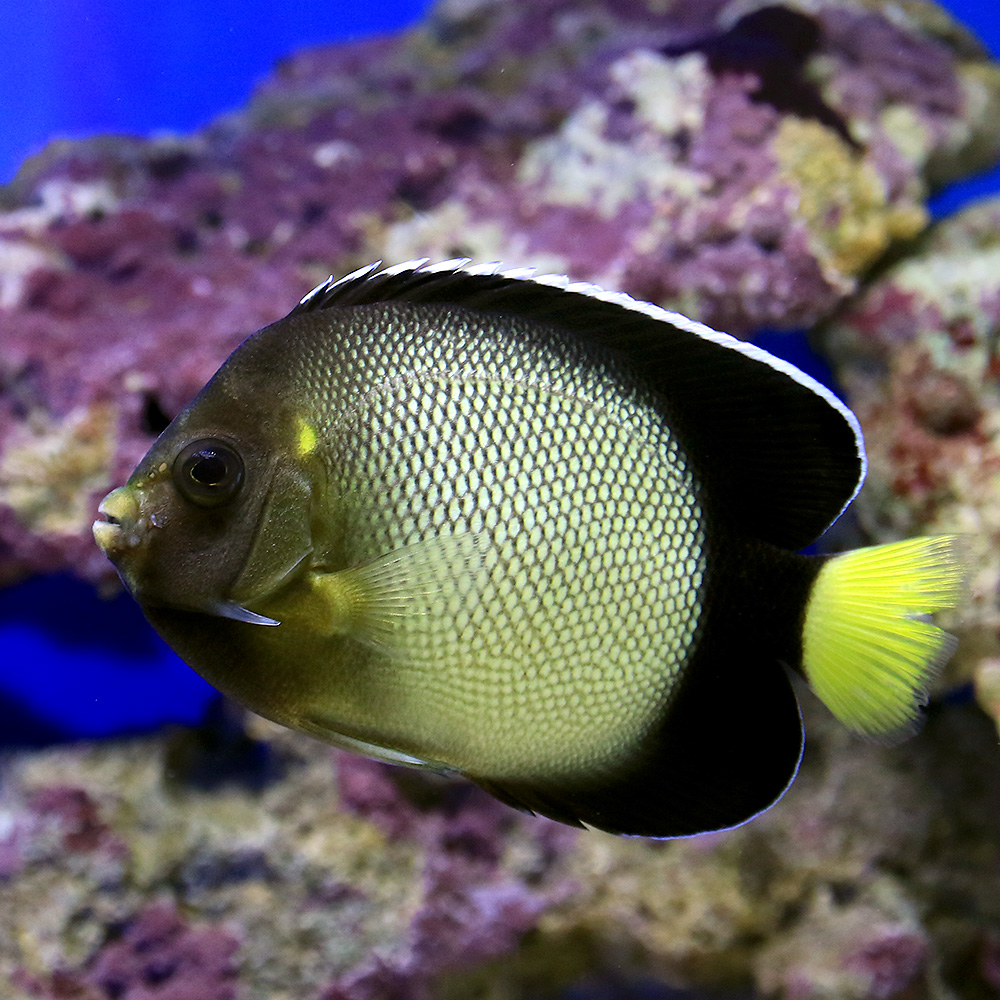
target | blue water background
x=72, y=665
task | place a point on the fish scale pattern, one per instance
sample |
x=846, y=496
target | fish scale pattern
x=562, y=595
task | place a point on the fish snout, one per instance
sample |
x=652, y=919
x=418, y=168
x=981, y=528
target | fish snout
x=122, y=527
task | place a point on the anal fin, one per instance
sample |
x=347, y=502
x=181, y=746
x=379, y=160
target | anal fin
x=727, y=750
x=316, y=725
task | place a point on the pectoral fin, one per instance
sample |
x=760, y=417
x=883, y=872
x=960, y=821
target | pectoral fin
x=229, y=609
x=398, y=603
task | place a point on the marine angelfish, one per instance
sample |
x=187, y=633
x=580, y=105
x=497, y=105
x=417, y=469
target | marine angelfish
x=533, y=532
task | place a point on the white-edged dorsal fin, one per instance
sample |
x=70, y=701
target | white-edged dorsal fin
x=781, y=455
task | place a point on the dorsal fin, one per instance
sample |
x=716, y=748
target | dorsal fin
x=780, y=455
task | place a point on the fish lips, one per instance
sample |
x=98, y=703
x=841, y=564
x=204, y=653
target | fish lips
x=121, y=528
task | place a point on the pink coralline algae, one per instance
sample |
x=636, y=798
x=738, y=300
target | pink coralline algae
x=76, y=816
x=462, y=924
x=867, y=957
x=744, y=162
x=890, y=961
x=472, y=910
x=156, y=957
x=336, y=878
x=341, y=879
x=916, y=354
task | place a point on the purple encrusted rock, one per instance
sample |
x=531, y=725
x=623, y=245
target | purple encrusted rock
x=890, y=960
x=747, y=162
x=916, y=355
x=743, y=162
x=156, y=957
x=128, y=878
x=341, y=879
x=74, y=815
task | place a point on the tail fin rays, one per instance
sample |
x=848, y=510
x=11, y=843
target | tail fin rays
x=869, y=649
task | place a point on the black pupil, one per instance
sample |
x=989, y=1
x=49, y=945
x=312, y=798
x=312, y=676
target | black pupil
x=209, y=469
x=208, y=473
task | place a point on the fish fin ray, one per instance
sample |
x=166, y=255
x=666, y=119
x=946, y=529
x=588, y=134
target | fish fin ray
x=755, y=423
x=230, y=609
x=319, y=726
x=868, y=648
x=396, y=604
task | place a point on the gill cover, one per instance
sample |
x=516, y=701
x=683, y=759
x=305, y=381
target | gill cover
x=281, y=544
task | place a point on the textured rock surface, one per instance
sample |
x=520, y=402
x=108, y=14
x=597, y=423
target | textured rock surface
x=652, y=149
x=743, y=162
x=917, y=355
x=279, y=869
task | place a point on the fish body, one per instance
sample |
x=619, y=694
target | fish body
x=532, y=532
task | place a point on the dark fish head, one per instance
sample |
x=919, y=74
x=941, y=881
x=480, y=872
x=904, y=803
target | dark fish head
x=215, y=518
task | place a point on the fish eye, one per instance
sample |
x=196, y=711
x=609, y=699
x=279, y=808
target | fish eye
x=208, y=472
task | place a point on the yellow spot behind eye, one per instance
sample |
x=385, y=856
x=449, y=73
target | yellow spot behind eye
x=307, y=438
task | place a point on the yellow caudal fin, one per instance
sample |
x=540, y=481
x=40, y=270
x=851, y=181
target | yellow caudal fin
x=868, y=647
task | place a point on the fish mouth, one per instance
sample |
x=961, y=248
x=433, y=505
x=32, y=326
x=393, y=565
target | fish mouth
x=120, y=528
